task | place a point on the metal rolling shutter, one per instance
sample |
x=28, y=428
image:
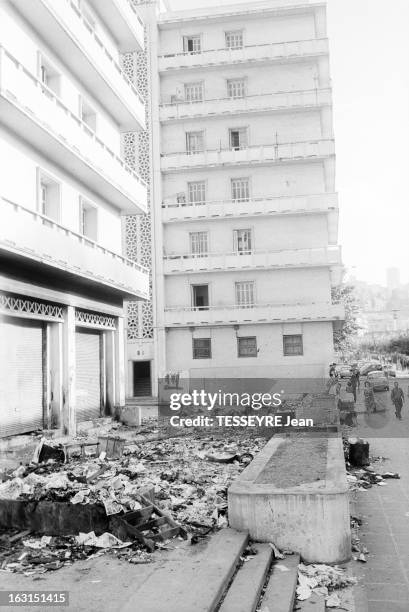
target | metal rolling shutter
x=21, y=376
x=88, y=375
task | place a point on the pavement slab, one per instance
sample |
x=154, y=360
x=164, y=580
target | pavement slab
x=244, y=592
x=192, y=581
x=385, y=513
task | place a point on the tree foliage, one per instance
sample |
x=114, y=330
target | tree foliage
x=345, y=335
x=399, y=345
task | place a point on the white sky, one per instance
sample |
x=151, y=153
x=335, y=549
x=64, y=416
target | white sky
x=370, y=71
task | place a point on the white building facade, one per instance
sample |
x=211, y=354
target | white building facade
x=66, y=110
x=245, y=211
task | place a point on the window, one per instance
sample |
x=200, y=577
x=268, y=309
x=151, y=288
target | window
x=88, y=114
x=48, y=196
x=194, y=142
x=202, y=348
x=199, y=244
x=240, y=189
x=238, y=138
x=236, y=88
x=88, y=220
x=197, y=192
x=245, y=294
x=242, y=242
x=293, y=345
x=194, y=92
x=200, y=297
x=234, y=39
x=192, y=44
x=247, y=347
x=49, y=76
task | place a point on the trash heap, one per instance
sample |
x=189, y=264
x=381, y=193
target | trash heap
x=324, y=580
x=361, y=474
x=185, y=479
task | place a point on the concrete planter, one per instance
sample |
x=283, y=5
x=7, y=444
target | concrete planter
x=311, y=518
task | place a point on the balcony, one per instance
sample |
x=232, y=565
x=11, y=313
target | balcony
x=252, y=155
x=69, y=34
x=256, y=314
x=329, y=256
x=284, y=52
x=26, y=234
x=174, y=212
x=124, y=23
x=291, y=100
x=33, y=111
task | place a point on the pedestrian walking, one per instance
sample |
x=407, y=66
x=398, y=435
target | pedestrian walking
x=369, y=396
x=353, y=385
x=397, y=397
x=332, y=370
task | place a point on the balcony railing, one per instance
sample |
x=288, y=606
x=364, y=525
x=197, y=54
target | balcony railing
x=44, y=120
x=62, y=25
x=183, y=109
x=255, y=154
x=267, y=52
x=302, y=204
x=25, y=232
x=180, y=316
x=220, y=262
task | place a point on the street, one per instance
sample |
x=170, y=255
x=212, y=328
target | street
x=385, y=509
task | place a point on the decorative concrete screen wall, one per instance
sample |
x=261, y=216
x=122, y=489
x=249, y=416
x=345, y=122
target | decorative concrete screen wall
x=295, y=494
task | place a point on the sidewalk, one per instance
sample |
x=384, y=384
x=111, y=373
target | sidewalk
x=385, y=515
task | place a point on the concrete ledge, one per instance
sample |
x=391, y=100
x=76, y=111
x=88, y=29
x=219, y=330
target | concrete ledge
x=311, y=518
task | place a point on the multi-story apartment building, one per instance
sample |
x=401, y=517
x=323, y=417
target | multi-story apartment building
x=66, y=105
x=246, y=249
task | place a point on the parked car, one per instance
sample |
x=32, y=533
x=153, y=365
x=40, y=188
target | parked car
x=370, y=367
x=344, y=371
x=379, y=381
x=389, y=371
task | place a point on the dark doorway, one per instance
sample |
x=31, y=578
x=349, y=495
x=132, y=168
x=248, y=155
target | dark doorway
x=142, y=378
x=200, y=295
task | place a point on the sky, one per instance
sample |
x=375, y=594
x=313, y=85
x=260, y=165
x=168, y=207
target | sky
x=369, y=45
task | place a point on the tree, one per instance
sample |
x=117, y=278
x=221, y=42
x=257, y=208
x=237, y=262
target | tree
x=345, y=335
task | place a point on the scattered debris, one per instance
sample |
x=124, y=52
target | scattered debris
x=333, y=601
x=322, y=579
x=276, y=552
x=148, y=492
x=106, y=540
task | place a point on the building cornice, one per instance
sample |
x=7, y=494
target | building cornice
x=175, y=18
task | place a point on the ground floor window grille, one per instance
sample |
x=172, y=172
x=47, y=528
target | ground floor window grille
x=197, y=192
x=240, y=190
x=293, y=345
x=247, y=347
x=202, y=348
x=245, y=294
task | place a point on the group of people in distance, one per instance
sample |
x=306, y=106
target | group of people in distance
x=354, y=384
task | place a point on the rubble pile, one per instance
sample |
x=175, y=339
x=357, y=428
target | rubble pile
x=33, y=556
x=187, y=478
x=190, y=478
